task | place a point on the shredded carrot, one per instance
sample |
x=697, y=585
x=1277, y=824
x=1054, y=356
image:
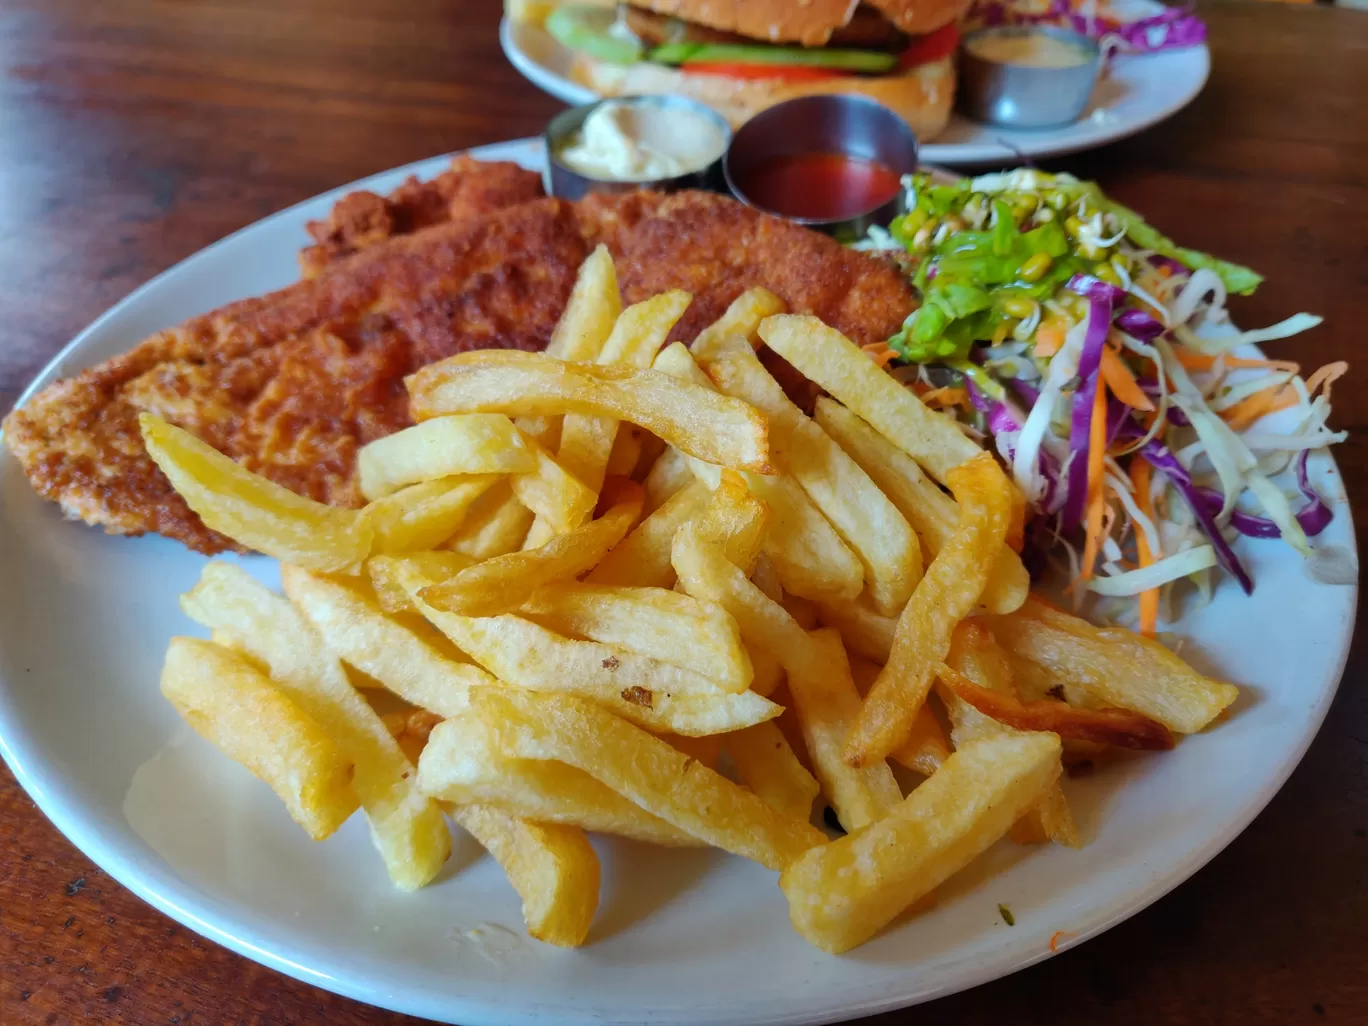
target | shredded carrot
x=1096, y=506
x=881, y=353
x=1050, y=335
x=1122, y=382
x=1195, y=361
x=1326, y=376
x=1260, y=404
x=1149, y=600
x=1056, y=937
x=946, y=396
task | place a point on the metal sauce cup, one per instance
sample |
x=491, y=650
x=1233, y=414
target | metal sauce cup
x=1023, y=95
x=849, y=124
x=567, y=183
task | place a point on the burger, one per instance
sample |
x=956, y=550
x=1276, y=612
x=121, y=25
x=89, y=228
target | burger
x=741, y=56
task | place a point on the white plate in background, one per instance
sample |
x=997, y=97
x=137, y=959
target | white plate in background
x=682, y=936
x=1137, y=91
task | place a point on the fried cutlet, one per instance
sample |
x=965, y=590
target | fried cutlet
x=292, y=384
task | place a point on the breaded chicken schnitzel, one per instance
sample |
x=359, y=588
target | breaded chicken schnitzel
x=293, y=383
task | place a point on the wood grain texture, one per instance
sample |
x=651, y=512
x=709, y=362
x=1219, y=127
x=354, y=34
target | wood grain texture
x=138, y=131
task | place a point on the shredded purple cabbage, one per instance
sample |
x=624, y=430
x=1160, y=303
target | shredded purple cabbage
x=1175, y=28
x=1314, y=517
x=1138, y=324
x=1176, y=267
x=1089, y=362
x=1095, y=288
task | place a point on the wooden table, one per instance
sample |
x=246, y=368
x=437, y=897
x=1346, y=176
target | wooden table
x=137, y=131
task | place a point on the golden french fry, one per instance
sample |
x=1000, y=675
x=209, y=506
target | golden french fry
x=932, y=513
x=1114, y=667
x=976, y=655
x=252, y=510
x=863, y=516
x=767, y=765
x=654, y=622
x=946, y=595
x=384, y=648
x=654, y=694
x=465, y=764
x=422, y=516
x=827, y=703
x=554, y=493
x=642, y=559
x=740, y=320
x=407, y=826
x=553, y=868
x=803, y=611
x=478, y=443
x=622, y=461
x=707, y=749
x=736, y=520
x=642, y=328
x=504, y=583
x=238, y=710
x=545, y=431
x=1119, y=727
x=865, y=631
x=927, y=747
x=843, y=893
x=411, y=728
x=652, y=448
x=704, y=424
x=496, y=523
x=809, y=556
x=591, y=311
x=669, y=474
x=830, y=359
x=766, y=578
x=439, y=565
x=642, y=768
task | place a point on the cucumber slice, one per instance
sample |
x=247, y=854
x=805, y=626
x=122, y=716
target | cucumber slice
x=590, y=30
x=735, y=53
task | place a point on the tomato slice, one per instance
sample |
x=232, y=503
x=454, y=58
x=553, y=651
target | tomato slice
x=932, y=47
x=780, y=72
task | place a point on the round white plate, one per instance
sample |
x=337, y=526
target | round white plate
x=681, y=936
x=1136, y=92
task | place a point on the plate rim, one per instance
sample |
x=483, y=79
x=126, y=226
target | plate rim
x=1032, y=144
x=160, y=886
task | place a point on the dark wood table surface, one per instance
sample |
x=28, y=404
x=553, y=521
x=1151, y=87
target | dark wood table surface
x=134, y=132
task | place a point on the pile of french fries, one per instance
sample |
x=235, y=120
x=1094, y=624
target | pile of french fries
x=630, y=587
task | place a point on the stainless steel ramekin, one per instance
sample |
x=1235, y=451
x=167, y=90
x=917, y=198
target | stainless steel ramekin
x=1021, y=95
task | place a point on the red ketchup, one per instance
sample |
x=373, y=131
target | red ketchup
x=819, y=186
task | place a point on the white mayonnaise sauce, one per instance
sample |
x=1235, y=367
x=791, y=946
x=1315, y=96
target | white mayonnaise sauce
x=623, y=141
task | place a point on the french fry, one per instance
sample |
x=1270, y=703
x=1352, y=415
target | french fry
x=766, y=578
x=865, y=631
x=669, y=474
x=556, y=495
x=707, y=750
x=655, y=695
x=642, y=559
x=496, y=523
x=863, y=516
x=386, y=649
x=932, y=513
x=830, y=359
x=977, y=656
x=827, y=703
x=591, y=311
x=480, y=443
x=553, y=868
x=767, y=765
x=654, y=622
x=439, y=565
x=407, y=826
x=927, y=747
x=947, y=594
x=465, y=764
x=768, y=673
x=642, y=768
x=504, y=583
x=704, y=424
x=809, y=556
x=652, y=448
x=1114, y=667
x=253, y=511
x=843, y=893
x=642, y=328
x=740, y=320
x=422, y=516
x=622, y=461
x=238, y=710
x=736, y=520
x=1119, y=727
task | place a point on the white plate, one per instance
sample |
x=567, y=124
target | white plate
x=1138, y=91
x=681, y=936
